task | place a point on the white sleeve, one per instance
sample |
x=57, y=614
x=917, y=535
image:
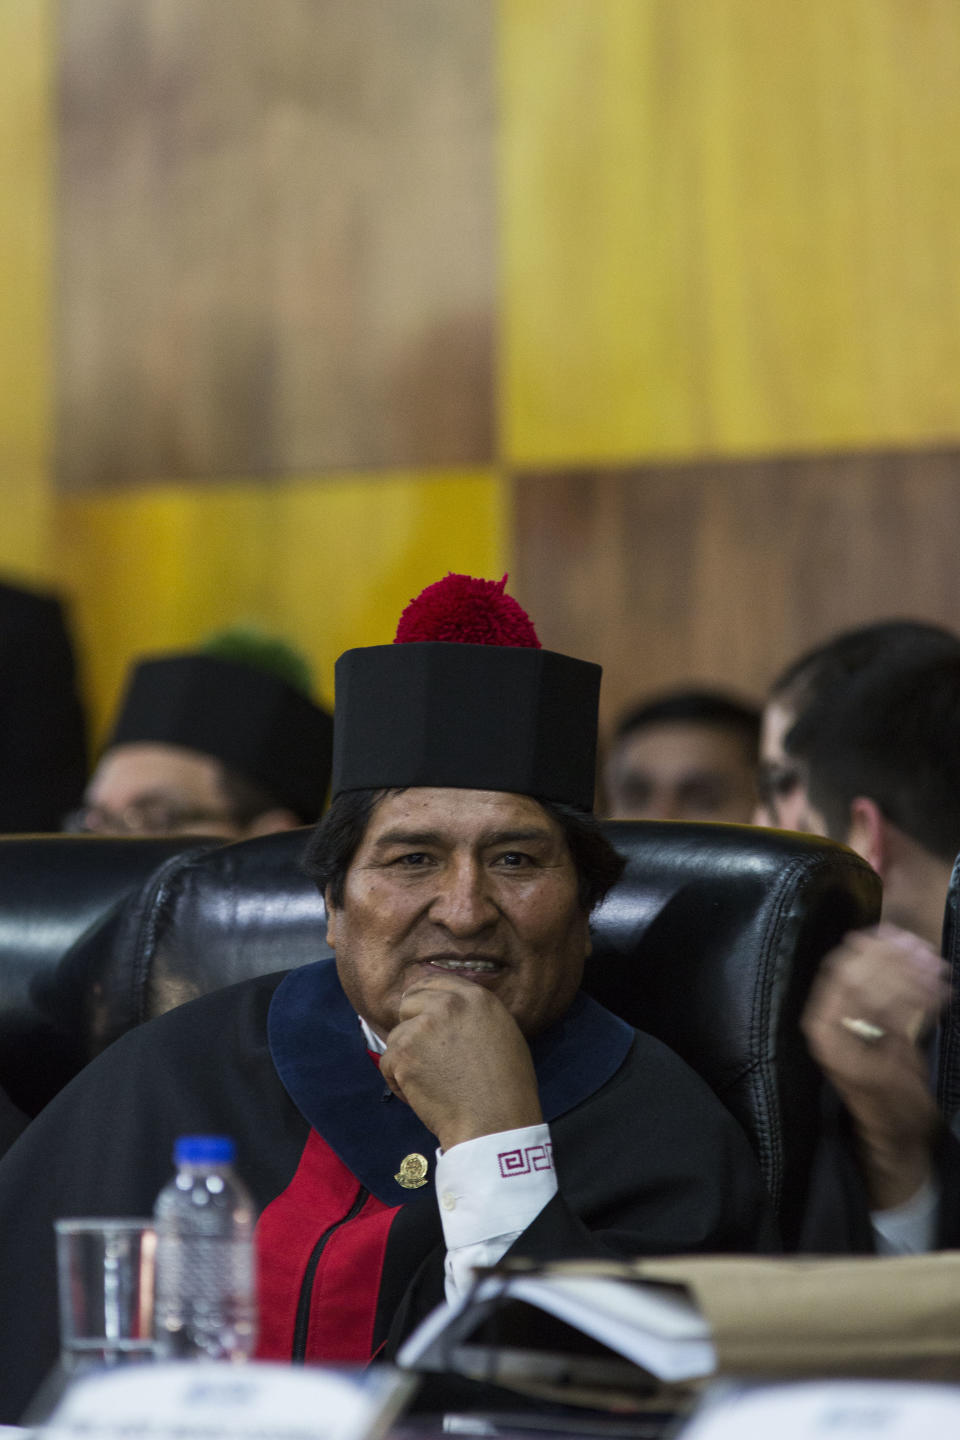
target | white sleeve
x=911, y=1228
x=489, y=1190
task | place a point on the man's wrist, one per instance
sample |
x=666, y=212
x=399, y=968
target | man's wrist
x=894, y=1174
x=908, y=1228
x=461, y=1131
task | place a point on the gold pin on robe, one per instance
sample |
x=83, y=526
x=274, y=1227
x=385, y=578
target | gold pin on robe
x=413, y=1172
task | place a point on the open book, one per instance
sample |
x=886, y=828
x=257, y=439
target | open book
x=498, y=1331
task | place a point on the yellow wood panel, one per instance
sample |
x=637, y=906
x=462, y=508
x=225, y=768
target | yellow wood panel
x=728, y=226
x=25, y=248
x=327, y=562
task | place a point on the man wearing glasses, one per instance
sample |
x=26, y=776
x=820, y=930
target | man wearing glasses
x=209, y=744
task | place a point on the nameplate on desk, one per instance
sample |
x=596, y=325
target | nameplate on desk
x=829, y=1410
x=206, y=1401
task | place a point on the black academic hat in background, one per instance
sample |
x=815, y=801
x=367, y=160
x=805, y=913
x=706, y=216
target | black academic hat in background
x=502, y=714
x=252, y=721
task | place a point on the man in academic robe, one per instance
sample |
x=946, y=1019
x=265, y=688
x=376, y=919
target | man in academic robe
x=441, y=1093
x=222, y=741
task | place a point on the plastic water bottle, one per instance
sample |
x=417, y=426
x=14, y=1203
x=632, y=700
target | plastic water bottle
x=206, y=1272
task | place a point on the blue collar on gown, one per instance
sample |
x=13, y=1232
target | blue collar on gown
x=321, y=1058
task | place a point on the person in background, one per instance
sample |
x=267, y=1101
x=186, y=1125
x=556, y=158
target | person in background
x=43, y=733
x=881, y=762
x=222, y=741
x=686, y=755
x=881, y=770
x=822, y=672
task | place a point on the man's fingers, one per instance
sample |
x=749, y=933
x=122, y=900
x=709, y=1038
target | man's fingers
x=437, y=992
x=885, y=978
x=390, y=1078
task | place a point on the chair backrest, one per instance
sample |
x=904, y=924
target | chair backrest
x=709, y=941
x=53, y=889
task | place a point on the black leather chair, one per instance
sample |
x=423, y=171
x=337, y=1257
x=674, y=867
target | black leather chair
x=709, y=941
x=53, y=889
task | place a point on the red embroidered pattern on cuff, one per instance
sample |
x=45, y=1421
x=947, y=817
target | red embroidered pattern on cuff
x=522, y=1162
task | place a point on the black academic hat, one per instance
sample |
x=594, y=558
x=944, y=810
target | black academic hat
x=501, y=714
x=250, y=720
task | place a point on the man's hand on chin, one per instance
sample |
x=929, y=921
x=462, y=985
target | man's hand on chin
x=458, y=1059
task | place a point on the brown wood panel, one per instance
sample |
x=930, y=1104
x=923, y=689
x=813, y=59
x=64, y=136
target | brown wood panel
x=724, y=572
x=276, y=236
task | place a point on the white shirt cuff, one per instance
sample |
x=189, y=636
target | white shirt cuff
x=489, y=1190
x=911, y=1228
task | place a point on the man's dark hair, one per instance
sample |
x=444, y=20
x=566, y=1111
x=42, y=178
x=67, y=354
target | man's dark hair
x=828, y=666
x=891, y=734
x=338, y=834
x=247, y=799
x=696, y=706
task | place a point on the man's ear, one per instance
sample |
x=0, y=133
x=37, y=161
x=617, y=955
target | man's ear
x=331, y=919
x=868, y=833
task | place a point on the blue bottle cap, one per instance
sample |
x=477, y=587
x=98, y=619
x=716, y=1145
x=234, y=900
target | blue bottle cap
x=204, y=1150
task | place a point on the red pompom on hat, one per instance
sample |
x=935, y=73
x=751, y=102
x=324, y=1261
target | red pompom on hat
x=460, y=609
x=467, y=699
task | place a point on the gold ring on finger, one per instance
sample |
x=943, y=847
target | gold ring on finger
x=864, y=1030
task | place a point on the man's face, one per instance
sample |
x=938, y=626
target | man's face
x=476, y=883
x=784, y=801
x=680, y=770
x=147, y=789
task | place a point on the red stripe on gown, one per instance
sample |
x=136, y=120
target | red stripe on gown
x=347, y=1280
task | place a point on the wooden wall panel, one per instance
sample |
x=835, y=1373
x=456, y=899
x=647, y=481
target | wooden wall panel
x=276, y=234
x=721, y=228
x=329, y=561
x=729, y=227
x=725, y=572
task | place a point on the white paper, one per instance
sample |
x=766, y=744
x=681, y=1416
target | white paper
x=832, y=1410
x=201, y=1401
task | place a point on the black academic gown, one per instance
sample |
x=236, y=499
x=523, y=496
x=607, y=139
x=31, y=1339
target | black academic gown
x=648, y=1161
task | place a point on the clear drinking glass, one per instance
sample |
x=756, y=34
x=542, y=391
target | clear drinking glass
x=105, y=1274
